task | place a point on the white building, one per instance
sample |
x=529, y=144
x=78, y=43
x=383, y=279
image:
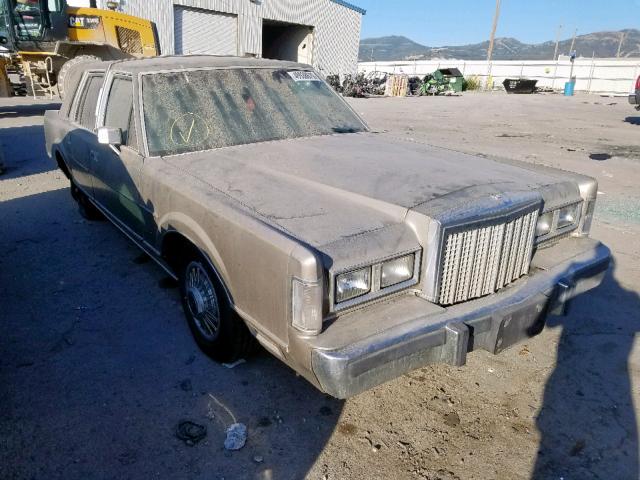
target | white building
x=323, y=33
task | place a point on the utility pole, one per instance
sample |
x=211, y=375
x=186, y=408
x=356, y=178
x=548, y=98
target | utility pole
x=573, y=40
x=492, y=39
x=622, y=35
x=555, y=54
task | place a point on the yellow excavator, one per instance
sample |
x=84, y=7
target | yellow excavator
x=42, y=39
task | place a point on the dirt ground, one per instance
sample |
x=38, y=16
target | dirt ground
x=97, y=366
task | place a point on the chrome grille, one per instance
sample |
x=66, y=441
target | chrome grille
x=480, y=261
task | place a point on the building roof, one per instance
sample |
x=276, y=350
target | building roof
x=362, y=11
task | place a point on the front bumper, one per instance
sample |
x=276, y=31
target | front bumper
x=492, y=323
x=634, y=98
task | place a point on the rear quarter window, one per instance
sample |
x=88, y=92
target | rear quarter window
x=86, y=101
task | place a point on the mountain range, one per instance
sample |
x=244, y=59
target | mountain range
x=598, y=44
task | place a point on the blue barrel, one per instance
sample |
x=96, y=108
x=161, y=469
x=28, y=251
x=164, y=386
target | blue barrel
x=568, y=89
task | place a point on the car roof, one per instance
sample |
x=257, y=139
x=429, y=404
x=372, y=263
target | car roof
x=73, y=78
x=188, y=62
x=173, y=62
x=76, y=71
x=168, y=63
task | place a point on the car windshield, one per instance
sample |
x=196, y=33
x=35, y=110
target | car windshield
x=205, y=109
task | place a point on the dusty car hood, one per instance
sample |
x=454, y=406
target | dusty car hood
x=324, y=189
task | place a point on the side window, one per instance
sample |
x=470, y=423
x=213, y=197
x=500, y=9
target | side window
x=54, y=5
x=119, y=112
x=86, y=109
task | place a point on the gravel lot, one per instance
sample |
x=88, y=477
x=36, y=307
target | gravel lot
x=97, y=365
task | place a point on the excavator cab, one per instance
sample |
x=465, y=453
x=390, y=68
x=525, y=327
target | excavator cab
x=34, y=24
x=48, y=37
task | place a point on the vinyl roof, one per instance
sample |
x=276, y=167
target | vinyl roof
x=178, y=62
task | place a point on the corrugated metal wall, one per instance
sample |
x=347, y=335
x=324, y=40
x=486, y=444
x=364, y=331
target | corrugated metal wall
x=336, y=27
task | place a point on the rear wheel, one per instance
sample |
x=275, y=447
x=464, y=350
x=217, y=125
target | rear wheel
x=217, y=329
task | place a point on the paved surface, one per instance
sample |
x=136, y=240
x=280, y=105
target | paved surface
x=97, y=366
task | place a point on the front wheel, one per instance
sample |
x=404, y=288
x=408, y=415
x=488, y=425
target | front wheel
x=215, y=326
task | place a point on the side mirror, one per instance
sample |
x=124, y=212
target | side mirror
x=110, y=136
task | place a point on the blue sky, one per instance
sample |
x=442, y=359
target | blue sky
x=456, y=22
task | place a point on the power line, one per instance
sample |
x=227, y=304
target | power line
x=622, y=36
x=492, y=38
x=573, y=40
x=555, y=54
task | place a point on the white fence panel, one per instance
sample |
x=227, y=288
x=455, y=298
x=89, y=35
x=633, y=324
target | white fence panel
x=597, y=75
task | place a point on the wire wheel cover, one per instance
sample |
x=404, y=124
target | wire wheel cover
x=202, y=301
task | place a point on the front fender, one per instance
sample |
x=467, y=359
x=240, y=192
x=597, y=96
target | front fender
x=189, y=228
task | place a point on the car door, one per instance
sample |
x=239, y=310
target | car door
x=117, y=180
x=82, y=134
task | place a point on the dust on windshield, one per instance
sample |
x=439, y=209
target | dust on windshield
x=206, y=109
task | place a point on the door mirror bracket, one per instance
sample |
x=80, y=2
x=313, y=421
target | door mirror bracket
x=110, y=136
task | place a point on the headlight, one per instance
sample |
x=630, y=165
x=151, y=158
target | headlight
x=545, y=222
x=568, y=216
x=397, y=271
x=353, y=284
x=306, y=306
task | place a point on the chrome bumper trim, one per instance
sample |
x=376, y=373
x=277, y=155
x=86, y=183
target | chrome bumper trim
x=492, y=323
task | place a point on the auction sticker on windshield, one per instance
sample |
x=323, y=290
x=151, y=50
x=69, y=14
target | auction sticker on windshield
x=303, y=76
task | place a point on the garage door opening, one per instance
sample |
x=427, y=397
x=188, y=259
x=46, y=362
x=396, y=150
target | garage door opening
x=287, y=41
x=204, y=32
